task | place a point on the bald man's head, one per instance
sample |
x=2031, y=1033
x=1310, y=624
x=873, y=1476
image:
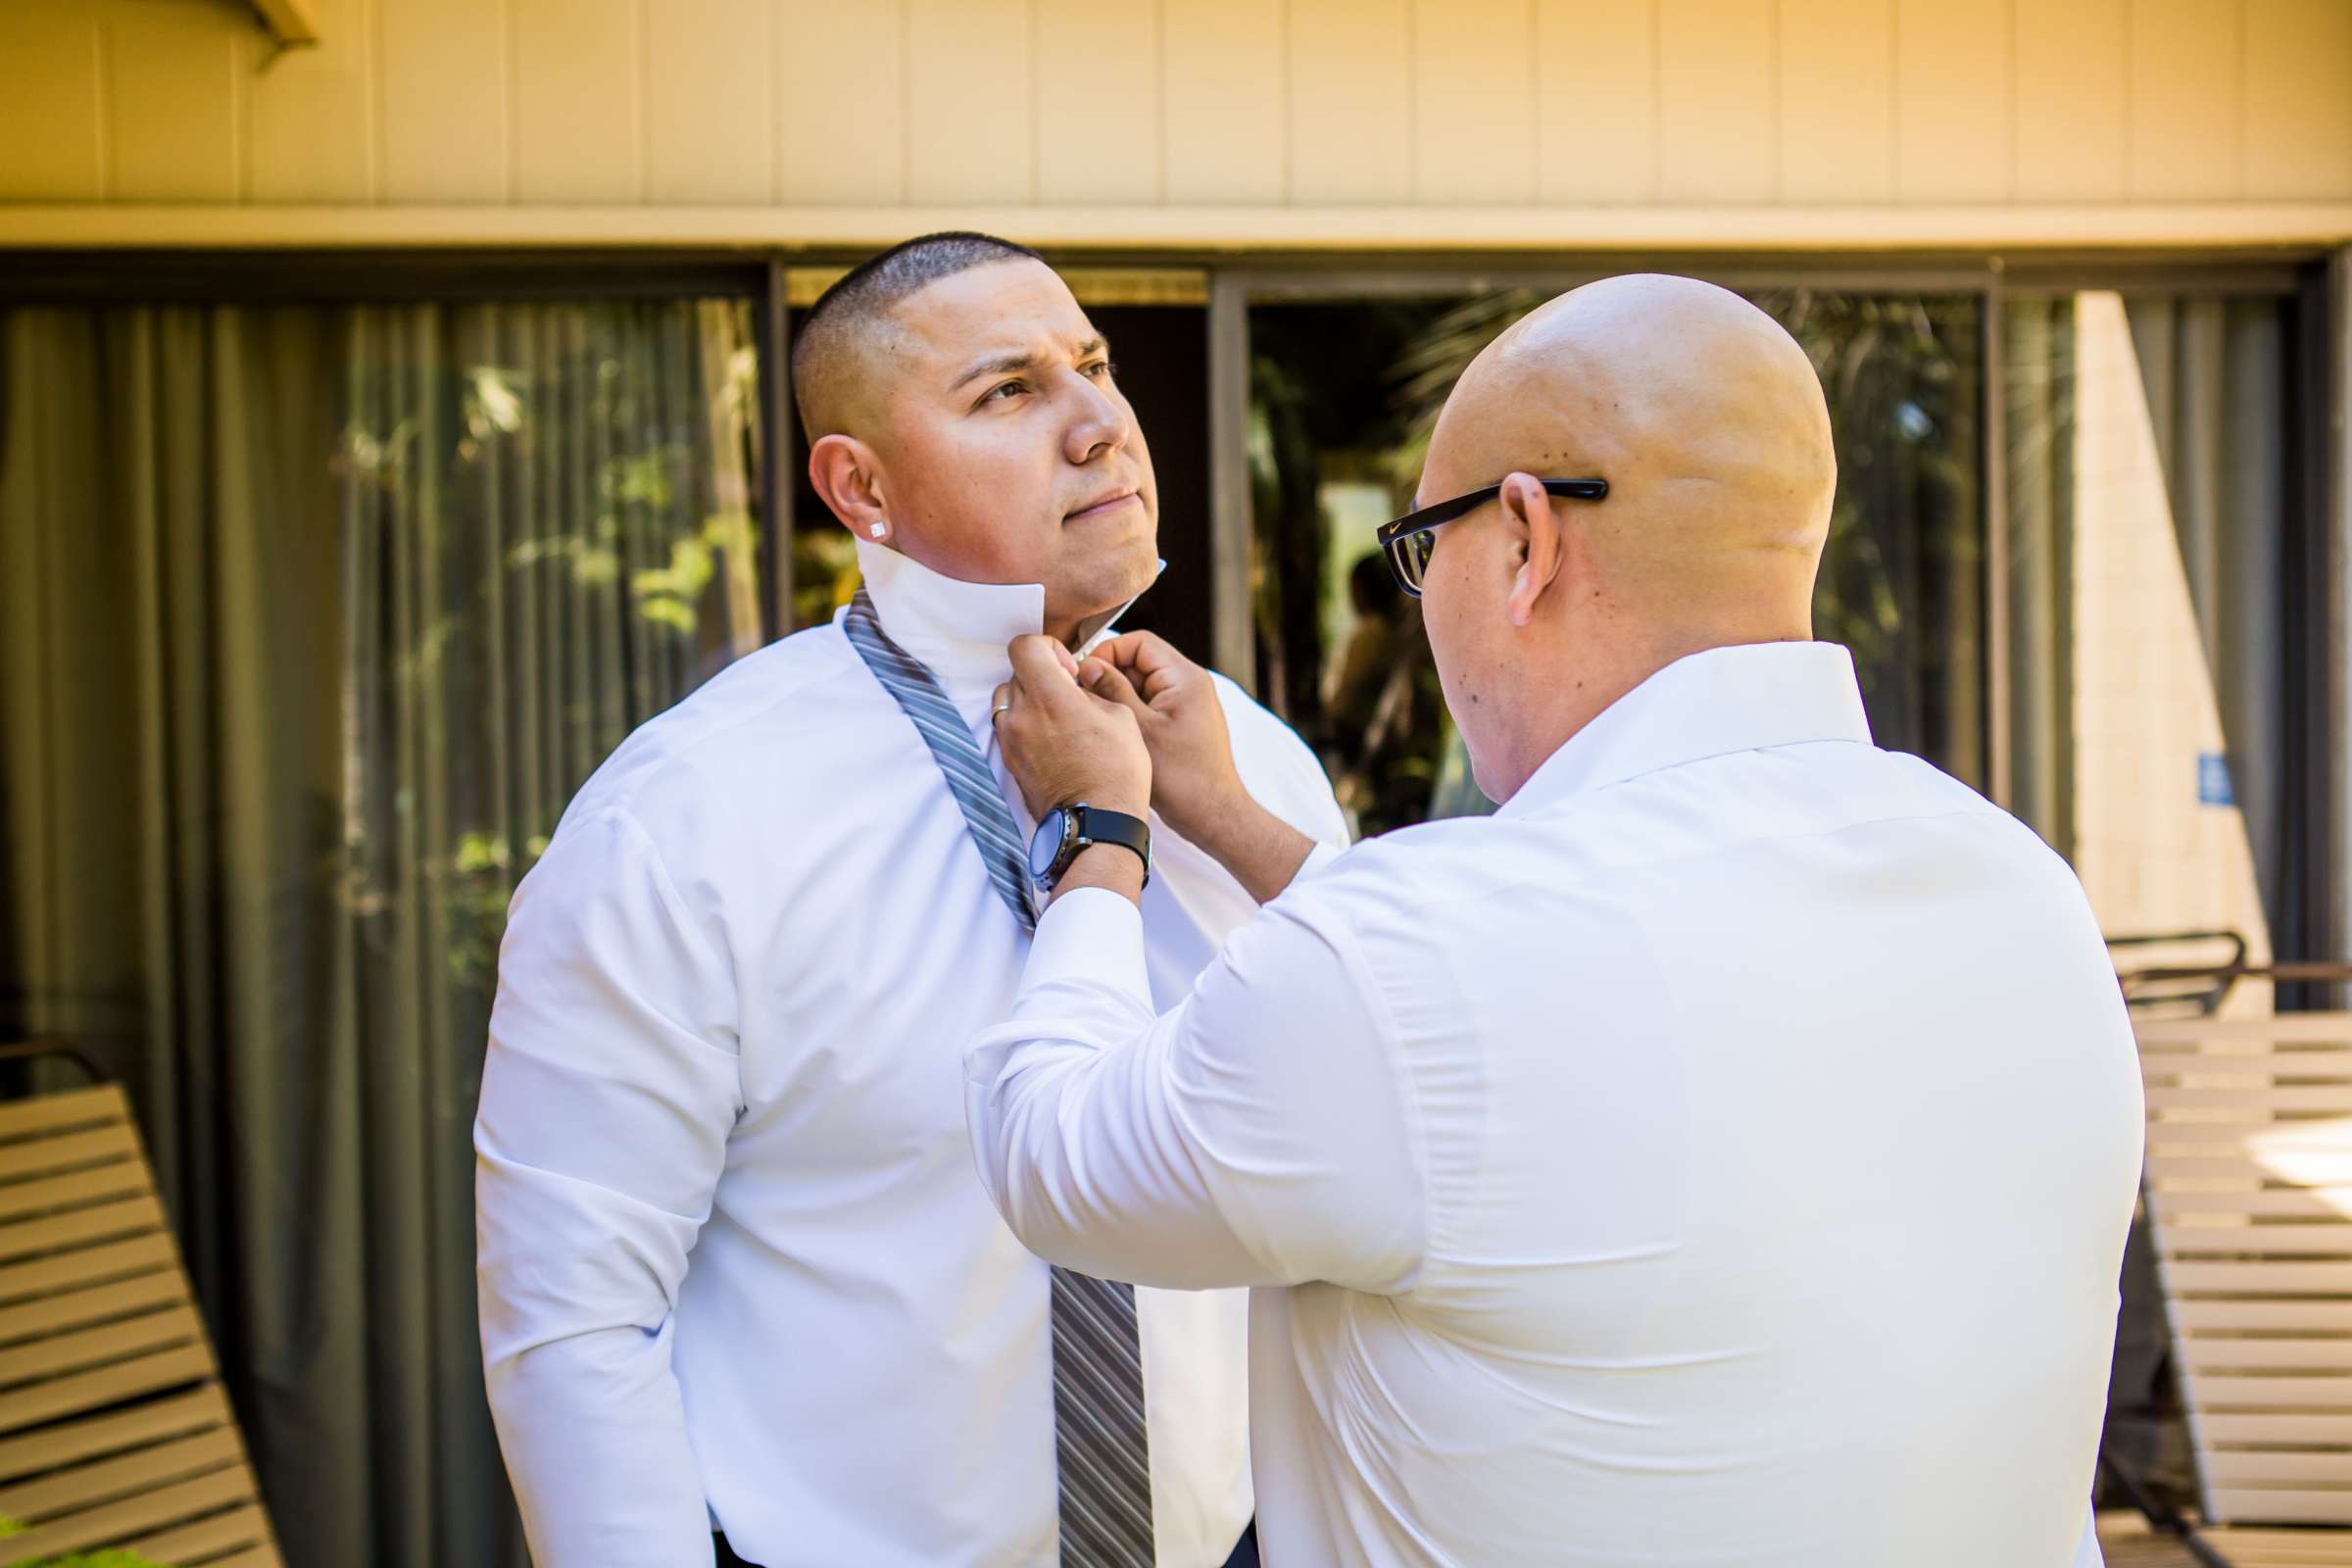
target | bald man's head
x=840, y=349
x=1708, y=422
x=1704, y=416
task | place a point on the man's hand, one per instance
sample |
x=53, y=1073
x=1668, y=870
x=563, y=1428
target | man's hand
x=1175, y=704
x=1196, y=788
x=1064, y=745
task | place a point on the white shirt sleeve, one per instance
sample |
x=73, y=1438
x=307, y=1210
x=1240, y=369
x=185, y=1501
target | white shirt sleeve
x=1259, y=1133
x=608, y=1096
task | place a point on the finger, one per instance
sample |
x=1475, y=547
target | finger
x=1149, y=659
x=1035, y=670
x=1064, y=657
x=1106, y=682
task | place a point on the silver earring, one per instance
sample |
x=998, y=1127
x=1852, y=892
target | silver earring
x=878, y=528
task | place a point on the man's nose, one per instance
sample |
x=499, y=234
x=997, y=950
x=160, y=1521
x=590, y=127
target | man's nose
x=1099, y=425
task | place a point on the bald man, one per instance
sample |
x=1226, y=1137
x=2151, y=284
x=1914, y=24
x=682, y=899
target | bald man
x=1722, y=1155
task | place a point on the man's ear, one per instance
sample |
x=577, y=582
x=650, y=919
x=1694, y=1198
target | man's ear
x=1534, y=533
x=848, y=477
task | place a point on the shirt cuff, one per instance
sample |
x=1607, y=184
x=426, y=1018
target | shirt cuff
x=1090, y=936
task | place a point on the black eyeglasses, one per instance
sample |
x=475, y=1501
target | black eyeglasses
x=1408, y=541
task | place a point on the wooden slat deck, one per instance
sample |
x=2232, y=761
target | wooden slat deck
x=113, y=1430
x=2248, y=1187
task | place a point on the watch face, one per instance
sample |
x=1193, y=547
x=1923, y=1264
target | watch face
x=1044, y=845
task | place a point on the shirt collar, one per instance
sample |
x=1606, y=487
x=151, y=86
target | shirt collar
x=1739, y=698
x=958, y=629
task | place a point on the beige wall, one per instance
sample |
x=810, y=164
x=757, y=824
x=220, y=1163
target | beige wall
x=1628, y=121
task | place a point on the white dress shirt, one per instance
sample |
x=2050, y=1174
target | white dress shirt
x=1722, y=1155
x=734, y=1266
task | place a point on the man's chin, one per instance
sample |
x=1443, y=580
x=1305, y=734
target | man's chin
x=1104, y=591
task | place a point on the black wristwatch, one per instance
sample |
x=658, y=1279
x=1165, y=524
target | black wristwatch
x=1066, y=830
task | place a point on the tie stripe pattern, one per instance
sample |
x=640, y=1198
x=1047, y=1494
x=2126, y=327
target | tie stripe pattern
x=1102, y=1456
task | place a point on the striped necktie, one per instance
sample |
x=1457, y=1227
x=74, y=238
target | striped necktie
x=1100, y=1449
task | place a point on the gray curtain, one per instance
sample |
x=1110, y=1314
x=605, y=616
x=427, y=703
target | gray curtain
x=316, y=619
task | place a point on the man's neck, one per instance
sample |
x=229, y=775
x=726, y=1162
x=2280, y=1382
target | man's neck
x=1073, y=634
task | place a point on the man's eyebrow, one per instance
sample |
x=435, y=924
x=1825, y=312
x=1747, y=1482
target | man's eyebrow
x=1001, y=365
x=1023, y=360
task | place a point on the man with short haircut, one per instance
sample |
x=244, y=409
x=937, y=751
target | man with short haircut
x=1721, y=1156
x=736, y=1272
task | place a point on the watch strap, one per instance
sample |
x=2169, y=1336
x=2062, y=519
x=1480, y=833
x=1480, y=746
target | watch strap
x=1095, y=824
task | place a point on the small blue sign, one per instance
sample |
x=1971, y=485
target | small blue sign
x=2213, y=779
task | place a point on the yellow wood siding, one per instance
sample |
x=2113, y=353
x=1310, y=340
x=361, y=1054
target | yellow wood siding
x=997, y=105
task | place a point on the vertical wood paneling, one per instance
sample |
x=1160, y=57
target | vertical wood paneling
x=1718, y=108
x=50, y=144
x=577, y=112
x=173, y=77
x=2298, y=97
x=970, y=118
x=311, y=116
x=1474, y=103
x=1351, y=101
x=1837, y=65
x=1597, y=101
x=1226, y=135
x=443, y=101
x=841, y=102
x=710, y=125
x=1952, y=122
x=2186, y=114
x=1097, y=101
x=2071, y=58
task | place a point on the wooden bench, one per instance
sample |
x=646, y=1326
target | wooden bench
x=115, y=1431
x=2249, y=1188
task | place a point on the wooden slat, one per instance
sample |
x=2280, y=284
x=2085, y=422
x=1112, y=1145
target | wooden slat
x=74, y=1190
x=92, y=1390
x=2257, y=1468
x=200, y=1543
x=123, y=1521
x=2272, y=1394
x=2208, y=1317
x=104, y=1223
x=43, y=1156
x=2331, y=1205
x=2266, y=1355
x=55, y=1314
x=2283, y=1506
x=90, y=1484
x=99, y=1346
x=2324, y=1137
x=262, y=1556
x=2260, y=1279
x=2305, y=1428
x=153, y=1422
x=2316, y=1028
x=89, y=1266
x=2181, y=1238
x=79, y=1108
x=2305, y=1167
x=2275, y=1097
x=2321, y=1062
x=2282, y=1548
